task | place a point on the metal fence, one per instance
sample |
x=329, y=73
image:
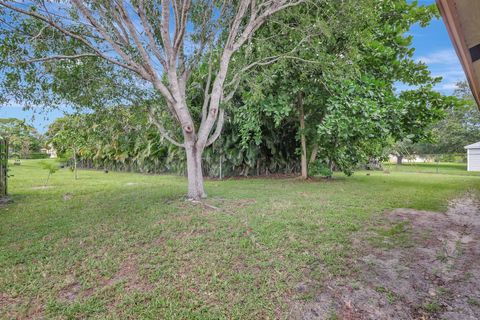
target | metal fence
x=3, y=166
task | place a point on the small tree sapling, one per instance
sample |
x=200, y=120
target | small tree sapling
x=51, y=168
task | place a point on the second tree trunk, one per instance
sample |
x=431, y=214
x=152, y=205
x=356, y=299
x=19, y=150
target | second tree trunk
x=303, y=140
x=194, y=173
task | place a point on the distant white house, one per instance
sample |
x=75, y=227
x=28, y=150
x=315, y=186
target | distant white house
x=50, y=151
x=414, y=158
x=473, y=157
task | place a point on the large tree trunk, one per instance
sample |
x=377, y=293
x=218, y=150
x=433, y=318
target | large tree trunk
x=303, y=140
x=194, y=172
x=75, y=164
x=399, y=159
x=313, y=155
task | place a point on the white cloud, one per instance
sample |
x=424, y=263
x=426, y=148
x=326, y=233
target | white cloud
x=441, y=63
x=451, y=86
x=445, y=57
x=444, y=63
x=446, y=73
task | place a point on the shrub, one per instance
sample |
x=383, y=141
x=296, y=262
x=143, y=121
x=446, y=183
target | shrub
x=51, y=167
x=319, y=169
x=38, y=155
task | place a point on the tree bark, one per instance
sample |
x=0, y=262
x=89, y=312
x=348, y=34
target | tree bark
x=399, y=160
x=331, y=165
x=194, y=172
x=313, y=156
x=48, y=178
x=75, y=165
x=303, y=140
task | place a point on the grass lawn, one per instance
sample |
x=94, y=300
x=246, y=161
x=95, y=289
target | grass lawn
x=441, y=168
x=121, y=245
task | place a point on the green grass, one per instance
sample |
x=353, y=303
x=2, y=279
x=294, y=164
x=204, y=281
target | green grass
x=128, y=246
x=440, y=168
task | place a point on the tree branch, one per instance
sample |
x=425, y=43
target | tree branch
x=218, y=130
x=206, y=91
x=148, y=30
x=59, y=57
x=69, y=33
x=236, y=38
x=165, y=33
x=89, y=16
x=272, y=7
x=139, y=69
x=162, y=130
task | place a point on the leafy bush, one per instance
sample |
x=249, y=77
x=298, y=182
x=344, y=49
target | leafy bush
x=452, y=158
x=319, y=169
x=14, y=155
x=38, y=155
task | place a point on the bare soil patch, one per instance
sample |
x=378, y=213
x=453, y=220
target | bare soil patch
x=5, y=201
x=41, y=187
x=70, y=292
x=433, y=273
x=128, y=274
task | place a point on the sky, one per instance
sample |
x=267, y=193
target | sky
x=432, y=46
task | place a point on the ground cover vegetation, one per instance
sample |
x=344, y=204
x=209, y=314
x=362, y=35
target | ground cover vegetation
x=124, y=245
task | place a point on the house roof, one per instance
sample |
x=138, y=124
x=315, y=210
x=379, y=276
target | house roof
x=473, y=146
x=462, y=18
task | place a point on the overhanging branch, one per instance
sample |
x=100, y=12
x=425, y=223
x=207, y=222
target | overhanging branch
x=59, y=57
x=162, y=130
x=60, y=28
x=218, y=129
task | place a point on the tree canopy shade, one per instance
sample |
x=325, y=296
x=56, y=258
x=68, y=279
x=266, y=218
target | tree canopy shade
x=160, y=42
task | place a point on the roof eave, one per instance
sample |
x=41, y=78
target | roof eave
x=473, y=146
x=452, y=18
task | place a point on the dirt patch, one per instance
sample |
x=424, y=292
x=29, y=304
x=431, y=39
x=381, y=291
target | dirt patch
x=279, y=176
x=33, y=308
x=130, y=275
x=6, y=301
x=5, y=201
x=67, y=196
x=228, y=206
x=434, y=273
x=70, y=292
x=127, y=274
x=41, y=187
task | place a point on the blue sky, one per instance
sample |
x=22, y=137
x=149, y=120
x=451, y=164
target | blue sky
x=432, y=46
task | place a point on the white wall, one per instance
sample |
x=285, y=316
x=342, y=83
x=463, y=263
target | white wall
x=473, y=156
x=411, y=159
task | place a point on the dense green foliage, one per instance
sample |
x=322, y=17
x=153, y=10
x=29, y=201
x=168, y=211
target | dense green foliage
x=346, y=80
x=24, y=140
x=339, y=60
x=112, y=139
x=460, y=127
x=446, y=139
